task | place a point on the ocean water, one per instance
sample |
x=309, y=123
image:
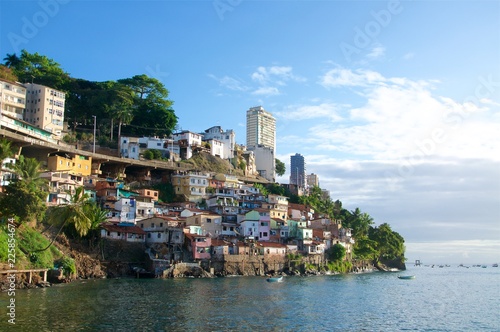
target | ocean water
x=438, y=299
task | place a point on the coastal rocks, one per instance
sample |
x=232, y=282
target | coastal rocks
x=390, y=265
x=181, y=270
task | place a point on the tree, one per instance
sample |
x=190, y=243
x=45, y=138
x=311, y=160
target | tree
x=74, y=213
x=359, y=222
x=336, y=253
x=390, y=245
x=6, y=150
x=11, y=60
x=33, y=67
x=153, y=113
x=280, y=167
x=26, y=194
x=120, y=106
x=364, y=248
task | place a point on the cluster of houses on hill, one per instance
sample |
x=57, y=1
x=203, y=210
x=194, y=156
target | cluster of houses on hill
x=234, y=220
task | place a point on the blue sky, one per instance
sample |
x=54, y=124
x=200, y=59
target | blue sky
x=395, y=105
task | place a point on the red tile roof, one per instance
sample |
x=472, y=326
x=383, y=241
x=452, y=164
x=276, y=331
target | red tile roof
x=124, y=229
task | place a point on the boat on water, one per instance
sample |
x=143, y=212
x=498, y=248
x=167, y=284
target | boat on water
x=406, y=277
x=275, y=279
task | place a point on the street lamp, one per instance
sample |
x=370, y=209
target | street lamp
x=93, y=150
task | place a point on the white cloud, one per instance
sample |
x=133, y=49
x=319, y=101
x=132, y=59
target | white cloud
x=303, y=112
x=275, y=75
x=267, y=91
x=401, y=119
x=345, y=77
x=376, y=52
x=230, y=83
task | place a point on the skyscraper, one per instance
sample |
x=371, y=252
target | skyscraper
x=261, y=128
x=261, y=139
x=297, y=170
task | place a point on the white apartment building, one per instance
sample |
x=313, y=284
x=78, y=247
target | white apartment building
x=261, y=128
x=187, y=140
x=12, y=99
x=44, y=108
x=228, y=138
x=133, y=147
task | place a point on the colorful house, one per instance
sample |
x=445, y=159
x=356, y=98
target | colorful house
x=123, y=233
x=198, y=246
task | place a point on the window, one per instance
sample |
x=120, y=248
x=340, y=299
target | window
x=161, y=224
x=209, y=220
x=159, y=235
x=149, y=235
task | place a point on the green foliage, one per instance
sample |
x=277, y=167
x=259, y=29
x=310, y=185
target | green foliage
x=280, y=167
x=166, y=192
x=336, y=253
x=276, y=189
x=151, y=154
x=148, y=155
x=31, y=242
x=340, y=266
x=242, y=165
x=293, y=257
x=68, y=265
x=261, y=188
x=365, y=248
x=25, y=195
x=310, y=267
x=390, y=245
x=153, y=113
x=76, y=213
x=6, y=149
x=37, y=68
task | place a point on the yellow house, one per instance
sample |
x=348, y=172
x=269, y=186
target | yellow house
x=76, y=164
x=192, y=185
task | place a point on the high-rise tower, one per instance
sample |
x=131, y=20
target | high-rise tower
x=261, y=140
x=261, y=128
x=297, y=170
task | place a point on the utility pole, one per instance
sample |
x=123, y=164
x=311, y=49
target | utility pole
x=93, y=150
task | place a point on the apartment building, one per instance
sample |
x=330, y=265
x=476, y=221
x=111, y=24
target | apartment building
x=45, y=108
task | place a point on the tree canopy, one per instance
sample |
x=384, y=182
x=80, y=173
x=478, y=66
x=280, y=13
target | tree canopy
x=140, y=103
x=280, y=167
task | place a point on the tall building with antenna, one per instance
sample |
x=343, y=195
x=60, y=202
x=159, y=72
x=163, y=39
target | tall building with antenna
x=298, y=170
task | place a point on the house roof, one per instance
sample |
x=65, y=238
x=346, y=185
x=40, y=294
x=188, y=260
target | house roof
x=123, y=229
x=271, y=245
x=220, y=243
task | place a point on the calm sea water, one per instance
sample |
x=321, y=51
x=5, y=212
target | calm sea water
x=439, y=299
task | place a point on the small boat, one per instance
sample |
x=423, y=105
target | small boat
x=495, y=265
x=275, y=279
x=406, y=277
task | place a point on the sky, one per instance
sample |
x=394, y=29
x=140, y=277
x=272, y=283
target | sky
x=395, y=105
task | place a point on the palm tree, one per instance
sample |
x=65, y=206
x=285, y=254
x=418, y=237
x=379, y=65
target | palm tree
x=75, y=213
x=6, y=150
x=28, y=170
x=26, y=194
x=85, y=216
x=11, y=60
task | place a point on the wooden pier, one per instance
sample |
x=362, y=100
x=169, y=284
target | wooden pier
x=41, y=272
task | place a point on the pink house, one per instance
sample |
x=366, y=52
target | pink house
x=198, y=245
